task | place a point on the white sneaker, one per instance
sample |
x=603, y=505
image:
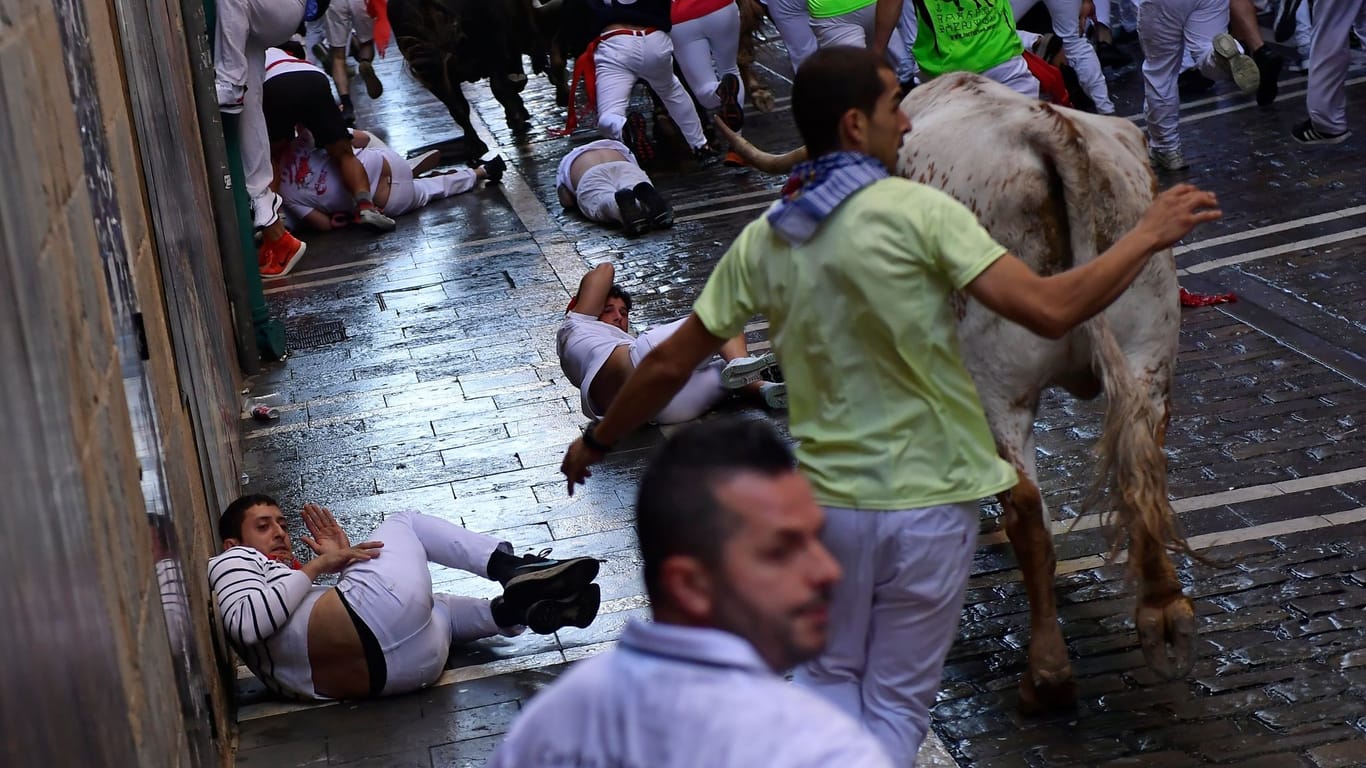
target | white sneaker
x=1237, y=64
x=1168, y=160
x=775, y=394
x=746, y=370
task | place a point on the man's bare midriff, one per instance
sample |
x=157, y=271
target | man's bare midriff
x=334, y=651
x=592, y=157
x=386, y=180
x=610, y=378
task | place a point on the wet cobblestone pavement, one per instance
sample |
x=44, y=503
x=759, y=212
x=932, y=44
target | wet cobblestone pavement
x=441, y=392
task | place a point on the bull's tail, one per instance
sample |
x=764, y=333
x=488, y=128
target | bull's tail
x=1129, y=486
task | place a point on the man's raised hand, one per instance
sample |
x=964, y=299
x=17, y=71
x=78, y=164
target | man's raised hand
x=327, y=535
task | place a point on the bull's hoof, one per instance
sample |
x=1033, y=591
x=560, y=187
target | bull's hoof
x=1166, y=632
x=763, y=100
x=1044, y=693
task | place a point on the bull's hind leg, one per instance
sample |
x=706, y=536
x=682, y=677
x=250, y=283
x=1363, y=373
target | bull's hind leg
x=1047, y=682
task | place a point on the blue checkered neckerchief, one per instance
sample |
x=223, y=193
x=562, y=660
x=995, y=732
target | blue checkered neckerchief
x=816, y=188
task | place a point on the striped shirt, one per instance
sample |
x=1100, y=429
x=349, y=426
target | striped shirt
x=264, y=606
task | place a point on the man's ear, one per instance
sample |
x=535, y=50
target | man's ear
x=689, y=585
x=853, y=127
x=230, y=543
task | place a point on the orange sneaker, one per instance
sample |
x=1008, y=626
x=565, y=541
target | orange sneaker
x=734, y=160
x=278, y=258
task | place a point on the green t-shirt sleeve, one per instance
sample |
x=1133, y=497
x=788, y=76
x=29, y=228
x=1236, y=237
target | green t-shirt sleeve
x=727, y=301
x=962, y=246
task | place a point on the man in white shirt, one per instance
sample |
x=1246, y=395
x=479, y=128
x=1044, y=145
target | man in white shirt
x=740, y=587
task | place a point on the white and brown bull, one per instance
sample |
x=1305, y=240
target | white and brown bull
x=1058, y=187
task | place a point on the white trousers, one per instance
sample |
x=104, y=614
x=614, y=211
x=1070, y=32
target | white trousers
x=793, y=20
x=407, y=193
x=893, y=616
x=856, y=28
x=392, y=594
x=345, y=15
x=1080, y=54
x=1328, y=60
x=703, y=389
x=620, y=61
x=245, y=29
x=596, y=194
x=315, y=33
x=706, y=49
x=1014, y=74
x=1167, y=30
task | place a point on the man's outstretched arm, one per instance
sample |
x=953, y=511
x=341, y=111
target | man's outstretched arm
x=593, y=290
x=649, y=388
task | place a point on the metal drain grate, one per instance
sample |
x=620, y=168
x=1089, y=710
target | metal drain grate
x=315, y=334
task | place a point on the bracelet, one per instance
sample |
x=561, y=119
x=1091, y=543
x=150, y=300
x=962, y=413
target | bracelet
x=592, y=442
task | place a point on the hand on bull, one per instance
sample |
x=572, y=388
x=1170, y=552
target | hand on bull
x=1175, y=212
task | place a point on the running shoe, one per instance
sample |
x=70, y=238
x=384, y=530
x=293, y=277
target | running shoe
x=634, y=218
x=746, y=370
x=656, y=207
x=370, y=216
x=278, y=258
x=732, y=111
x=636, y=137
x=373, y=87
x=1270, y=66
x=1306, y=133
x=547, y=616
x=774, y=394
x=1168, y=160
x=1237, y=64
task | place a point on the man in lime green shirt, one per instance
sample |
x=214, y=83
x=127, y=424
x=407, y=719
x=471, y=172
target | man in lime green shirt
x=856, y=272
x=960, y=36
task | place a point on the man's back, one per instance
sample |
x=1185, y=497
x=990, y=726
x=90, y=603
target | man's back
x=674, y=696
x=864, y=327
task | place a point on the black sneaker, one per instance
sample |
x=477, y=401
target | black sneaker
x=540, y=578
x=1110, y=55
x=732, y=112
x=1284, y=28
x=656, y=207
x=634, y=218
x=494, y=169
x=1306, y=133
x=1270, y=66
x=1191, y=83
x=636, y=137
x=706, y=154
x=547, y=616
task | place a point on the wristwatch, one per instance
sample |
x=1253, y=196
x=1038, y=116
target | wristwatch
x=592, y=442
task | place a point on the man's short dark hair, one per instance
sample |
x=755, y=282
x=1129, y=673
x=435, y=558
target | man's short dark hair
x=230, y=524
x=677, y=512
x=615, y=292
x=831, y=82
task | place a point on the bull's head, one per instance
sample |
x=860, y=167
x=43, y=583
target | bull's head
x=757, y=158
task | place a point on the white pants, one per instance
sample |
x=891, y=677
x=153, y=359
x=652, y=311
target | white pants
x=345, y=15
x=1168, y=29
x=315, y=33
x=1328, y=59
x=1014, y=74
x=856, y=28
x=703, y=389
x=596, y=194
x=793, y=20
x=893, y=616
x=1080, y=54
x=392, y=594
x=706, y=49
x=245, y=29
x=620, y=61
x=407, y=193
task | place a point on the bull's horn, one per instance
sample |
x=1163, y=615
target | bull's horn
x=546, y=6
x=757, y=158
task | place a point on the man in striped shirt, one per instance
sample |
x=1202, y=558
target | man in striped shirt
x=380, y=630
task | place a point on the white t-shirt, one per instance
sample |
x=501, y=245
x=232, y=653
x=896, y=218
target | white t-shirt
x=279, y=61
x=310, y=181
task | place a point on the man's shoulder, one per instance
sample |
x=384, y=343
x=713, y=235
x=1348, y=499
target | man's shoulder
x=240, y=554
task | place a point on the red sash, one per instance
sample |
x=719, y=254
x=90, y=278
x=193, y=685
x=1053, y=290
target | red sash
x=585, y=71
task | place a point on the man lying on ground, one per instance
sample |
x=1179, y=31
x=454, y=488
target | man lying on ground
x=603, y=180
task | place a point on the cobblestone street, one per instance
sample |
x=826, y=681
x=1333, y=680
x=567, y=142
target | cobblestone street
x=423, y=375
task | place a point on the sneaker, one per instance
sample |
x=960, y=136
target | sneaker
x=1284, y=28
x=1306, y=133
x=774, y=394
x=541, y=578
x=1237, y=64
x=494, y=169
x=425, y=162
x=636, y=137
x=732, y=112
x=1191, y=83
x=746, y=370
x=370, y=216
x=1269, y=64
x=705, y=154
x=373, y=87
x=656, y=207
x=634, y=218
x=278, y=258
x=547, y=616
x=1168, y=160
x=733, y=160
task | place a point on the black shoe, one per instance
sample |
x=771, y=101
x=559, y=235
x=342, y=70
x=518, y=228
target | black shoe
x=1306, y=133
x=656, y=207
x=732, y=111
x=634, y=218
x=1284, y=28
x=547, y=616
x=348, y=115
x=1192, y=83
x=706, y=154
x=1111, y=56
x=494, y=169
x=1269, y=64
x=635, y=135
